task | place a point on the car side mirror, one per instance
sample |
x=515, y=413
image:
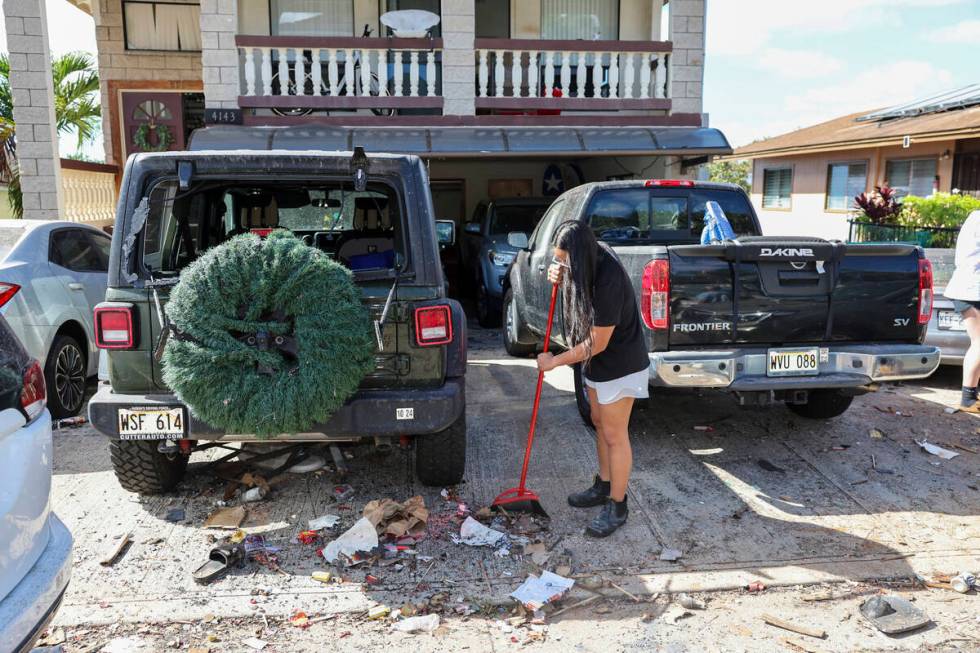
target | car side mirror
x=517, y=239
x=472, y=228
x=446, y=231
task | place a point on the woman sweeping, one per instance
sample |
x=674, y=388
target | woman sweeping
x=964, y=289
x=602, y=322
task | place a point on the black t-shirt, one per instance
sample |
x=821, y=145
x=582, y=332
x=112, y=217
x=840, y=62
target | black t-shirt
x=614, y=303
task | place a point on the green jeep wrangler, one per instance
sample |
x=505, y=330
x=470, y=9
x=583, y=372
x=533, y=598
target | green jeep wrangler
x=371, y=213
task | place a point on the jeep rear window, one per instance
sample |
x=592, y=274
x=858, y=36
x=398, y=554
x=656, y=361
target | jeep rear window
x=361, y=229
x=647, y=215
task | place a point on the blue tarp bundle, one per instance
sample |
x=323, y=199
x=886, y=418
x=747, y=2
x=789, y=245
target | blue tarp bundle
x=716, y=225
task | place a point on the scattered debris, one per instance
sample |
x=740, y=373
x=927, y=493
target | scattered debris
x=794, y=628
x=573, y=606
x=963, y=582
x=473, y=533
x=538, y=552
x=257, y=493
x=876, y=434
x=124, y=645
x=704, y=428
x=326, y=521
x=769, y=467
x=756, y=586
x=423, y=624
x=670, y=555
x=310, y=464
x=175, y=515
x=321, y=576
x=254, y=643
x=691, y=603
x=537, y=591
x=892, y=615
x=928, y=447
x=220, y=560
x=362, y=536
x=397, y=519
x=230, y=518
x=299, y=619
x=117, y=549
x=308, y=537
x=342, y=493
x=675, y=613
x=797, y=645
x=378, y=612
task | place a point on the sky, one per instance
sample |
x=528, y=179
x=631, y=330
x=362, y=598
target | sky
x=771, y=66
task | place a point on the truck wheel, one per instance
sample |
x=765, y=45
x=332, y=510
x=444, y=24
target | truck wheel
x=513, y=327
x=823, y=404
x=141, y=468
x=582, y=397
x=484, y=315
x=440, y=458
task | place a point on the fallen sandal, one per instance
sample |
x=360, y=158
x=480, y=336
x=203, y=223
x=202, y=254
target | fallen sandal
x=892, y=615
x=220, y=560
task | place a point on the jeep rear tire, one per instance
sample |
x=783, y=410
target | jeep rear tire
x=141, y=468
x=513, y=327
x=823, y=404
x=440, y=458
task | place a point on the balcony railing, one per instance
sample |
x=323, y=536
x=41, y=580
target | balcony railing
x=89, y=191
x=524, y=74
x=381, y=74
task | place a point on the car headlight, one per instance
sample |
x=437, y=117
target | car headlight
x=501, y=259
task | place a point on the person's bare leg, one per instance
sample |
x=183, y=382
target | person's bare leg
x=598, y=494
x=615, y=418
x=602, y=449
x=971, y=360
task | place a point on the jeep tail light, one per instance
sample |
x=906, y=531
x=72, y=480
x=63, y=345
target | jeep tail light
x=669, y=183
x=655, y=300
x=34, y=395
x=433, y=325
x=7, y=292
x=114, y=327
x=925, y=290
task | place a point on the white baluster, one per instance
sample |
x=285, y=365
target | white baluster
x=413, y=73
x=430, y=73
x=333, y=74
x=317, y=71
x=645, y=76
x=349, y=82
x=249, y=72
x=382, y=72
x=516, y=76
x=596, y=74
x=566, y=73
x=266, y=55
x=365, y=72
x=283, y=71
x=549, y=73
x=399, y=73
x=629, y=76
x=299, y=72
x=580, y=76
x=613, y=75
x=483, y=74
x=532, y=74
x=498, y=73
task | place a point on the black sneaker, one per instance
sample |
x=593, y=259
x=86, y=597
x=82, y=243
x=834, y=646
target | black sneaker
x=596, y=495
x=606, y=523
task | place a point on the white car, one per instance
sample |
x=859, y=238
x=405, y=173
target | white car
x=52, y=274
x=35, y=546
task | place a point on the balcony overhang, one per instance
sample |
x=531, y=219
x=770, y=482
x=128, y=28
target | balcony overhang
x=471, y=142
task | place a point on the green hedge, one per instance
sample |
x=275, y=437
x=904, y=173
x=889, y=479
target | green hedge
x=940, y=210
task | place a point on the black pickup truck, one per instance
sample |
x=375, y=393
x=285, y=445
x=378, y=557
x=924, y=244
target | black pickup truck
x=805, y=321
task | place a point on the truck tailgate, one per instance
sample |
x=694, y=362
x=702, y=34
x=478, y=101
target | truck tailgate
x=773, y=291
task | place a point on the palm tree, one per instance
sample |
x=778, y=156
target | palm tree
x=76, y=108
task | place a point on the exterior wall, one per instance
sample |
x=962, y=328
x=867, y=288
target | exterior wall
x=458, y=62
x=116, y=63
x=808, y=215
x=219, y=59
x=687, y=61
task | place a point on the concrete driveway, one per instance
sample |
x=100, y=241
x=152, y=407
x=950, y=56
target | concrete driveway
x=760, y=495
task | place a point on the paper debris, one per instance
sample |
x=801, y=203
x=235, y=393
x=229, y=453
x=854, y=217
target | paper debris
x=945, y=454
x=670, y=555
x=397, y=519
x=424, y=624
x=360, y=537
x=326, y=521
x=230, y=518
x=473, y=533
x=538, y=552
x=536, y=591
x=254, y=643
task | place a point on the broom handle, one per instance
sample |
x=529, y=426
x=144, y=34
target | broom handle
x=537, y=393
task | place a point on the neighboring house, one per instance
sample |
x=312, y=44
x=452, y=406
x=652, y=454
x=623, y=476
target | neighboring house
x=503, y=97
x=804, y=182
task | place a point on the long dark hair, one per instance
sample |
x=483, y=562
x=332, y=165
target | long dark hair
x=577, y=239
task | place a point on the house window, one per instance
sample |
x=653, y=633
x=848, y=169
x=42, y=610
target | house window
x=844, y=182
x=911, y=176
x=492, y=19
x=777, y=188
x=580, y=19
x=433, y=6
x=312, y=17
x=173, y=26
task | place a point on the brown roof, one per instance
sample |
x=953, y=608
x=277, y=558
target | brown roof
x=847, y=133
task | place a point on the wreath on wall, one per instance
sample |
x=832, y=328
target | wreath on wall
x=141, y=138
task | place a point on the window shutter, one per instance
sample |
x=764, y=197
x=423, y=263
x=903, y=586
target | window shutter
x=777, y=187
x=312, y=17
x=923, y=176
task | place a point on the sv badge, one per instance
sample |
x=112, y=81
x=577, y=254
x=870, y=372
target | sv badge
x=901, y=322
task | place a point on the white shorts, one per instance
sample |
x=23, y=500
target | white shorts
x=634, y=385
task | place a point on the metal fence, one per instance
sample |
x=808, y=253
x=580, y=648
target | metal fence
x=868, y=232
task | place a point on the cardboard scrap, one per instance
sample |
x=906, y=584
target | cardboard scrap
x=473, y=533
x=536, y=591
x=362, y=536
x=230, y=518
x=397, y=519
x=538, y=552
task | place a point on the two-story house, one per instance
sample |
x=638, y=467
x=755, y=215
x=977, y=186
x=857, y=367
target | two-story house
x=501, y=97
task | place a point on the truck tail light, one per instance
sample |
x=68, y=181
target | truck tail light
x=34, y=395
x=114, y=327
x=669, y=183
x=7, y=292
x=433, y=325
x=925, y=290
x=655, y=300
